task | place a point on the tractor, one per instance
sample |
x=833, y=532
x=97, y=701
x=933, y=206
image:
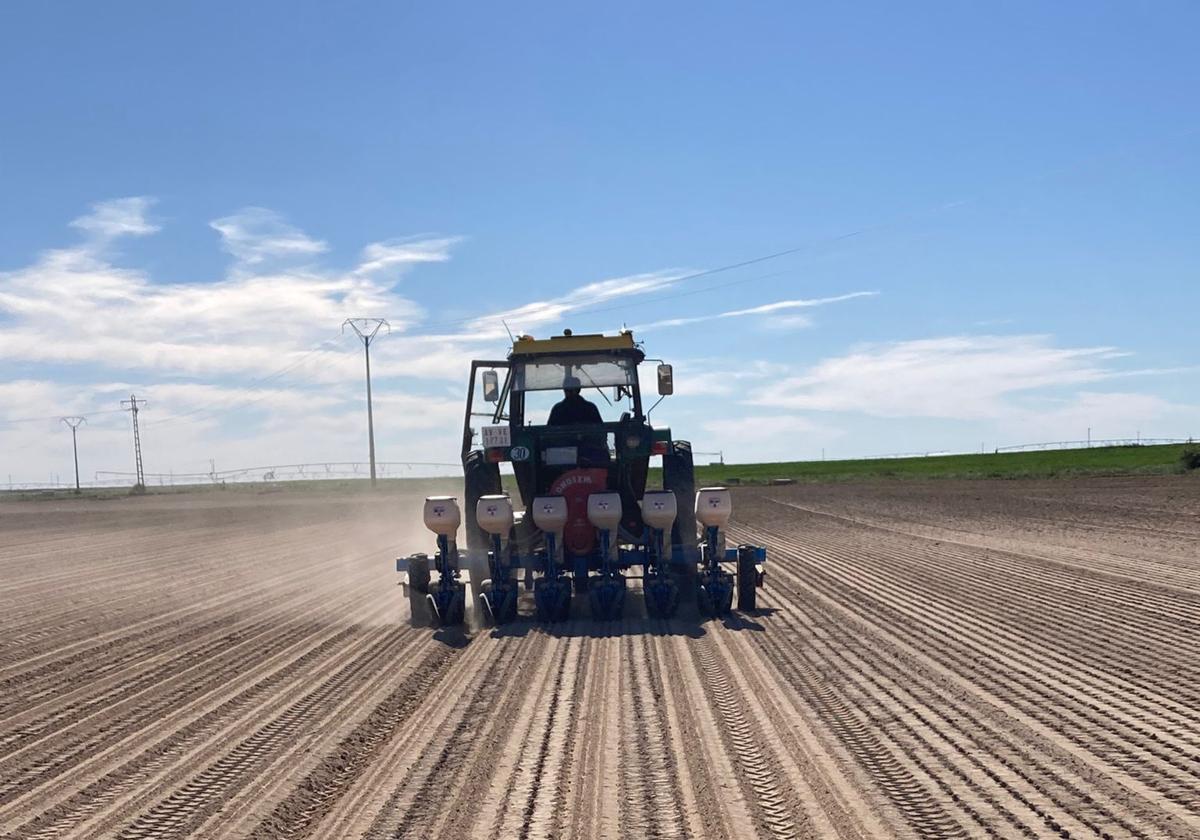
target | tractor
x=588, y=522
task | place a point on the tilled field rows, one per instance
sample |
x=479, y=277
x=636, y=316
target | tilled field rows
x=920, y=667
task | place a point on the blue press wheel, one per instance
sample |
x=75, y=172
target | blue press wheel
x=662, y=597
x=715, y=598
x=552, y=599
x=502, y=604
x=607, y=599
x=448, y=608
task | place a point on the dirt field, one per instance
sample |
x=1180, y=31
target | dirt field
x=933, y=659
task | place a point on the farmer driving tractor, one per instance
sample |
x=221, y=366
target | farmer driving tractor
x=573, y=409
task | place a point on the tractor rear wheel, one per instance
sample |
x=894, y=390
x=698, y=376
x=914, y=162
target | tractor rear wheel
x=480, y=478
x=679, y=477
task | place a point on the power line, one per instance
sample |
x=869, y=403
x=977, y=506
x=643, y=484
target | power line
x=206, y=411
x=696, y=275
x=56, y=417
x=1043, y=175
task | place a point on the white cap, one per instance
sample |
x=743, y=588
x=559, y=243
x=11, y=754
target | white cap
x=442, y=515
x=495, y=514
x=604, y=510
x=713, y=506
x=659, y=509
x=550, y=513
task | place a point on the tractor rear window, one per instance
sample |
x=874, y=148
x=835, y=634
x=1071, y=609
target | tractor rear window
x=578, y=372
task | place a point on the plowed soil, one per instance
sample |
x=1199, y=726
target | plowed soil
x=942, y=659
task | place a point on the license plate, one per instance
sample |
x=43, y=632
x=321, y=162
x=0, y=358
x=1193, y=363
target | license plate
x=496, y=436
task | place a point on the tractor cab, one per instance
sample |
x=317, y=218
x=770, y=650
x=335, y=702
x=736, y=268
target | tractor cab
x=567, y=412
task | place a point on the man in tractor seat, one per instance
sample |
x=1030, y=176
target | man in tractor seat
x=574, y=410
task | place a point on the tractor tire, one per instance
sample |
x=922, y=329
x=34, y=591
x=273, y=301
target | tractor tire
x=480, y=478
x=747, y=579
x=679, y=477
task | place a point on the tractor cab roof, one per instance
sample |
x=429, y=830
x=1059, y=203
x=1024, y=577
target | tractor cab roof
x=558, y=345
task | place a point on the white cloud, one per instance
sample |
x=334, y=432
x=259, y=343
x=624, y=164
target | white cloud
x=240, y=368
x=722, y=377
x=263, y=341
x=787, y=322
x=183, y=398
x=961, y=377
x=782, y=322
x=758, y=437
x=117, y=318
x=1109, y=415
x=539, y=313
x=403, y=253
x=117, y=217
x=254, y=234
x=794, y=304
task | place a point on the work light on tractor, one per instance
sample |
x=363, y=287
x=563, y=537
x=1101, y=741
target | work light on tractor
x=589, y=525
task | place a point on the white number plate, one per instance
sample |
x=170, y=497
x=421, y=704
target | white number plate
x=495, y=436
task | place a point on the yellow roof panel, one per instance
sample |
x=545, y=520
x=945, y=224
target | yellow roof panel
x=527, y=345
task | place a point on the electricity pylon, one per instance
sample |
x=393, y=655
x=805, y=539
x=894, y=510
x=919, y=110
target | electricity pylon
x=366, y=329
x=132, y=405
x=75, y=423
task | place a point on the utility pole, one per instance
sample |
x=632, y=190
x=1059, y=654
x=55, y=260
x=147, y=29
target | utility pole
x=366, y=329
x=132, y=405
x=74, y=423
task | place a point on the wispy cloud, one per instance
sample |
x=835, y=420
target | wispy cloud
x=400, y=254
x=539, y=313
x=794, y=321
x=958, y=377
x=254, y=235
x=760, y=437
x=117, y=217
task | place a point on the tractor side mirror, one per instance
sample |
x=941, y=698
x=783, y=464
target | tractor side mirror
x=666, y=381
x=491, y=386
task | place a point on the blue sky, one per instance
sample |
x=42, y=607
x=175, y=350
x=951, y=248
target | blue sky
x=995, y=210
